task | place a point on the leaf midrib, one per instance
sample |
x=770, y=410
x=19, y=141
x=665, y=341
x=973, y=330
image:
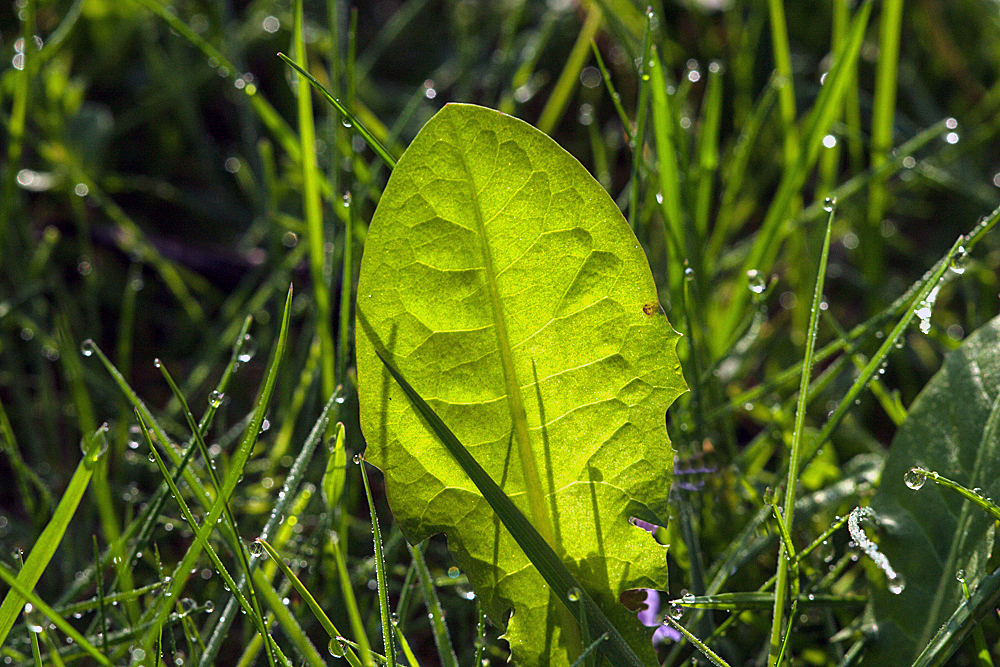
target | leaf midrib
x=515, y=403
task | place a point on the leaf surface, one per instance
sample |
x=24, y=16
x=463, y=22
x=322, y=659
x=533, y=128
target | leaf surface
x=931, y=533
x=503, y=282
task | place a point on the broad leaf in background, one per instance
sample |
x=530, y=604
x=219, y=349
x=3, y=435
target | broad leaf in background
x=931, y=533
x=505, y=285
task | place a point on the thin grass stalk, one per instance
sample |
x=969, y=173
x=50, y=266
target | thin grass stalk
x=786, y=549
x=362, y=129
x=616, y=99
x=439, y=629
x=883, y=120
x=639, y=136
x=555, y=107
x=786, y=89
x=383, y=584
x=713, y=657
x=324, y=620
x=313, y=211
x=350, y=602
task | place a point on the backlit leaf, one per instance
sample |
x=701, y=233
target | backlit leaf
x=504, y=284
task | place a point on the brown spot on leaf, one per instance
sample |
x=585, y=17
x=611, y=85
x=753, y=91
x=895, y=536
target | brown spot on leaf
x=649, y=309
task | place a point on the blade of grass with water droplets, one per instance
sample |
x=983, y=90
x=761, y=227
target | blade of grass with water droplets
x=241, y=456
x=787, y=549
x=383, y=592
x=365, y=133
x=324, y=620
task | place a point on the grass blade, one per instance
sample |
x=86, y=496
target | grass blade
x=46, y=544
x=335, y=636
x=383, y=594
x=365, y=133
x=552, y=569
x=438, y=627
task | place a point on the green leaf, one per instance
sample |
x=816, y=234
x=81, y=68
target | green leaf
x=505, y=285
x=931, y=533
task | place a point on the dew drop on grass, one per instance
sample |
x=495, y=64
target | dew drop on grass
x=215, y=398
x=87, y=347
x=257, y=549
x=896, y=584
x=157, y=362
x=959, y=261
x=358, y=458
x=573, y=594
x=248, y=350
x=209, y=607
x=32, y=618
x=336, y=648
x=675, y=611
x=394, y=618
x=829, y=203
x=755, y=281
x=687, y=598
x=913, y=479
x=960, y=576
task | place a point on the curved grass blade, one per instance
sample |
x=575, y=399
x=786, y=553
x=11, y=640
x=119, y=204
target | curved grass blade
x=552, y=569
x=979, y=501
x=365, y=133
